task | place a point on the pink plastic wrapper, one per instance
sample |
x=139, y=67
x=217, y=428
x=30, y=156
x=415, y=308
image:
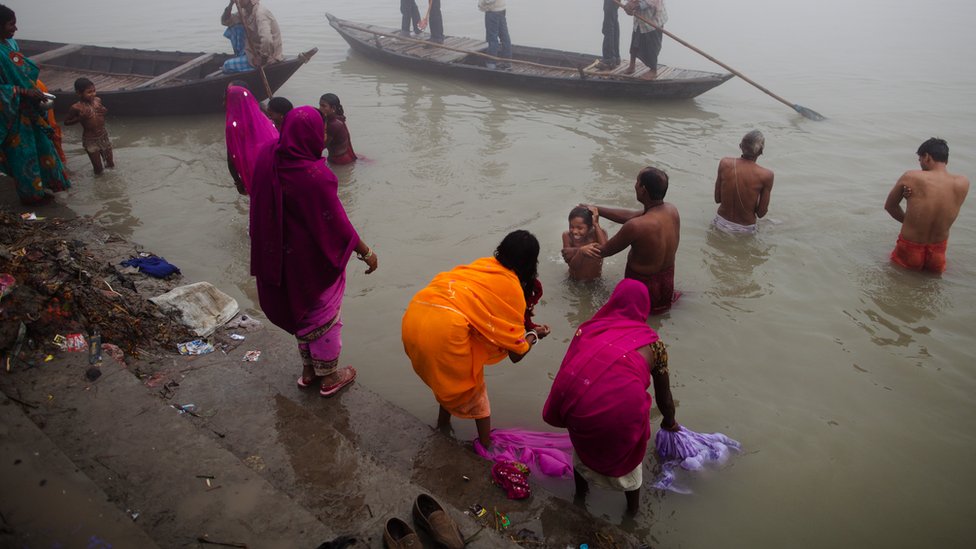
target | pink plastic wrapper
x=513, y=477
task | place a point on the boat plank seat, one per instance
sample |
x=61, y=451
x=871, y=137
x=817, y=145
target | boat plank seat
x=178, y=71
x=60, y=78
x=66, y=49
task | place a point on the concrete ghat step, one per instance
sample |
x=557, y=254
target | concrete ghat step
x=294, y=469
x=149, y=459
x=46, y=501
x=355, y=460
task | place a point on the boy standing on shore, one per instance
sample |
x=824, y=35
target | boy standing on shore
x=91, y=113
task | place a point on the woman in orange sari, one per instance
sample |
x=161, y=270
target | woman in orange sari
x=468, y=317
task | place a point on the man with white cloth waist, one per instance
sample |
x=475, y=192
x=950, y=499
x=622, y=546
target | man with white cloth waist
x=743, y=187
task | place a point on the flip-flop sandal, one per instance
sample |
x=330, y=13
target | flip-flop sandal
x=306, y=382
x=347, y=376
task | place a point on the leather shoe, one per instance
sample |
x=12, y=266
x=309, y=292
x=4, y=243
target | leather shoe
x=399, y=535
x=433, y=519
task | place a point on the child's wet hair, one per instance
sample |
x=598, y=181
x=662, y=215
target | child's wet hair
x=83, y=84
x=582, y=212
x=280, y=105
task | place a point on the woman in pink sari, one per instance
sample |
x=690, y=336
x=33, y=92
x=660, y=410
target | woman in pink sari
x=600, y=393
x=301, y=241
x=248, y=131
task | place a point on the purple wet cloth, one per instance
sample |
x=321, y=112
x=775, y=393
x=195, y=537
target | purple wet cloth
x=550, y=454
x=691, y=451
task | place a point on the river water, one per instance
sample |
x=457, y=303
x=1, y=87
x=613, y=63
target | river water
x=848, y=382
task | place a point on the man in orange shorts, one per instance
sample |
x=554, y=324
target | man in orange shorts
x=934, y=197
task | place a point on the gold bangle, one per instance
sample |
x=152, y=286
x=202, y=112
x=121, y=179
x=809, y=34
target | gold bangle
x=367, y=255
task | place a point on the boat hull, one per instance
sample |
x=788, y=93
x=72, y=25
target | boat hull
x=551, y=71
x=118, y=74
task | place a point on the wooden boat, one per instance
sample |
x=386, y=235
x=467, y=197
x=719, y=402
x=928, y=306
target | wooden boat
x=539, y=68
x=142, y=82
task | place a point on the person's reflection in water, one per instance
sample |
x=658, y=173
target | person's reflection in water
x=895, y=304
x=732, y=260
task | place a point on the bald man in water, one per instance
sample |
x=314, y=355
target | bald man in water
x=742, y=187
x=934, y=198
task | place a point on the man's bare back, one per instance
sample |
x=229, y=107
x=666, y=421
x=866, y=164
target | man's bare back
x=743, y=187
x=652, y=234
x=742, y=190
x=934, y=198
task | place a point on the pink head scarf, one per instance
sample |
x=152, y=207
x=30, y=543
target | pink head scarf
x=248, y=131
x=301, y=238
x=600, y=393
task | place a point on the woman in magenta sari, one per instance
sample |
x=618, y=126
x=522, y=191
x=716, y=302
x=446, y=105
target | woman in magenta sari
x=600, y=393
x=248, y=132
x=301, y=241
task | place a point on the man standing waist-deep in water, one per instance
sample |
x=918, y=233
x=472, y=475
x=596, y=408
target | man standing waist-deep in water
x=651, y=233
x=934, y=197
x=742, y=187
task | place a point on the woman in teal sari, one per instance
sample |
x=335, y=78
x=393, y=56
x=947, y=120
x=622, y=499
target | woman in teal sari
x=27, y=151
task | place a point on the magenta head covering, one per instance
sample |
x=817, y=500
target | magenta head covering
x=248, y=131
x=295, y=207
x=600, y=393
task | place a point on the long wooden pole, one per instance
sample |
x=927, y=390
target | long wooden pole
x=811, y=114
x=247, y=36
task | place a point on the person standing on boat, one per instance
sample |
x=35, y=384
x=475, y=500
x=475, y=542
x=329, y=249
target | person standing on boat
x=934, y=197
x=496, y=31
x=611, y=37
x=436, y=21
x=254, y=34
x=27, y=150
x=742, y=188
x=410, y=16
x=645, y=42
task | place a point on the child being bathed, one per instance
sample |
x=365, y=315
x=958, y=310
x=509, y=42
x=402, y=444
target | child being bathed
x=91, y=113
x=584, y=228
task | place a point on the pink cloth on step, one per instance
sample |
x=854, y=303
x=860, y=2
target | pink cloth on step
x=550, y=454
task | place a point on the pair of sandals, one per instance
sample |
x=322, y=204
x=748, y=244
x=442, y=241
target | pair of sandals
x=346, y=376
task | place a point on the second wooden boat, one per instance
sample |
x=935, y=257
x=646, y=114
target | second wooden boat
x=534, y=68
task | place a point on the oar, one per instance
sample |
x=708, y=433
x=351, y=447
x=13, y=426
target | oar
x=809, y=113
x=247, y=36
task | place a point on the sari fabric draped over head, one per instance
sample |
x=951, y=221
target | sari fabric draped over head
x=248, y=132
x=27, y=149
x=464, y=319
x=301, y=238
x=600, y=393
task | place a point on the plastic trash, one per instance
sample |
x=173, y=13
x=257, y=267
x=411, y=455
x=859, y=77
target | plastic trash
x=201, y=306
x=195, y=347
x=251, y=356
x=95, y=347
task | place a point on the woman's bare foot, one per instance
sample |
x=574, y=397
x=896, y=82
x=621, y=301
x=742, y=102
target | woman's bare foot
x=630, y=69
x=649, y=75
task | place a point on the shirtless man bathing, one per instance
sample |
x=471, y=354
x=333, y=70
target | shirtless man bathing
x=934, y=198
x=651, y=234
x=742, y=188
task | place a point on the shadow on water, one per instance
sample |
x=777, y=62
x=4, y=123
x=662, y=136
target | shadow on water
x=732, y=260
